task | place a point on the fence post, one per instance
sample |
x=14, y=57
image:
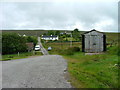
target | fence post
x=33, y=52
x=18, y=53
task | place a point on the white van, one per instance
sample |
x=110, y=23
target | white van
x=37, y=47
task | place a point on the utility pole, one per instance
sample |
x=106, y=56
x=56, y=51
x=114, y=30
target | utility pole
x=71, y=41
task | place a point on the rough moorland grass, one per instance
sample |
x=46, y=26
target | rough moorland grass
x=58, y=48
x=96, y=71
x=21, y=55
x=112, y=36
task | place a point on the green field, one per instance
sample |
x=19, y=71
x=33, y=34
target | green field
x=58, y=47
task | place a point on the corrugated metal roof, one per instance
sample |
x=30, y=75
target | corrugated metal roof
x=92, y=31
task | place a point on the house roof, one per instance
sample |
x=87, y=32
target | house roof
x=30, y=45
x=46, y=36
x=92, y=31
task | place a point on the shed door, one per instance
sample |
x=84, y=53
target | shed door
x=93, y=43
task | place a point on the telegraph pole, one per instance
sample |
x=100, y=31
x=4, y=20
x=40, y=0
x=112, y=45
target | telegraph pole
x=71, y=41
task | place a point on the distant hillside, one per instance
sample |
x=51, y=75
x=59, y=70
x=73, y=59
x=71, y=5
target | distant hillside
x=31, y=32
x=110, y=36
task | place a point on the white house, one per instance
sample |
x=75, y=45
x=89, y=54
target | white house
x=51, y=37
x=24, y=35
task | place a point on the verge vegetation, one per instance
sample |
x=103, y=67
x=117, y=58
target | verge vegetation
x=94, y=71
x=20, y=56
x=14, y=46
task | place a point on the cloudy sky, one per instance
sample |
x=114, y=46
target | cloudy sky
x=62, y=15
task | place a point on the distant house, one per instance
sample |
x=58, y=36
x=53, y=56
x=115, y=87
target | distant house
x=51, y=37
x=93, y=41
x=62, y=33
x=24, y=35
x=30, y=46
x=19, y=34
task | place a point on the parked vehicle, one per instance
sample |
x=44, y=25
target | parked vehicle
x=49, y=48
x=37, y=47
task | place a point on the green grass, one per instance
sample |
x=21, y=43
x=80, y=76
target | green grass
x=21, y=55
x=69, y=39
x=96, y=71
x=58, y=47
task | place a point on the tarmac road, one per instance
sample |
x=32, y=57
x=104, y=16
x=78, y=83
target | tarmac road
x=37, y=72
x=43, y=50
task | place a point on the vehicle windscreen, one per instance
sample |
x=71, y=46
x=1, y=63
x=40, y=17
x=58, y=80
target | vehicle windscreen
x=37, y=47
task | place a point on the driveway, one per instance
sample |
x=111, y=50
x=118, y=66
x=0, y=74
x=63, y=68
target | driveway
x=37, y=72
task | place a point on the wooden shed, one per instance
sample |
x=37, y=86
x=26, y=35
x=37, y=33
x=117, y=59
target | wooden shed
x=93, y=42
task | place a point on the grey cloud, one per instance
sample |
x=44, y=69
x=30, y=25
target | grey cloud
x=47, y=15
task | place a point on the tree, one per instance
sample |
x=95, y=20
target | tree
x=50, y=33
x=32, y=39
x=44, y=34
x=57, y=33
x=76, y=34
x=13, y=43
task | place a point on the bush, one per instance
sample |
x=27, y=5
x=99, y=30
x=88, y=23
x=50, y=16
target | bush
x=32, y=39
x=70, y=51
x=6, y=59
x=42, y=40
x=74, y=49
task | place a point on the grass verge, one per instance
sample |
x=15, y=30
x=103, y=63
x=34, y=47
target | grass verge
x=95, y=71
x=21, y=55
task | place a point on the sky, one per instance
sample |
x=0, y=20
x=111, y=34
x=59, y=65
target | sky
x=85, y=15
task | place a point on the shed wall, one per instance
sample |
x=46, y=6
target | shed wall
x=93, y=42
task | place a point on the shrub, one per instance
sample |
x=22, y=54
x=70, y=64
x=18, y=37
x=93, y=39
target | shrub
x=42, y=40
x=74, y=49
x=32, y=39
x=70, y=51
x=6, y=59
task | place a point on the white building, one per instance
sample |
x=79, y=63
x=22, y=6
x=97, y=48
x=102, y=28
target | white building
x=24, y=35
x=51, y=37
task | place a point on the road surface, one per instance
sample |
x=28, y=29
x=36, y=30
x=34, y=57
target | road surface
x=43, y=50
x=45, y=71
